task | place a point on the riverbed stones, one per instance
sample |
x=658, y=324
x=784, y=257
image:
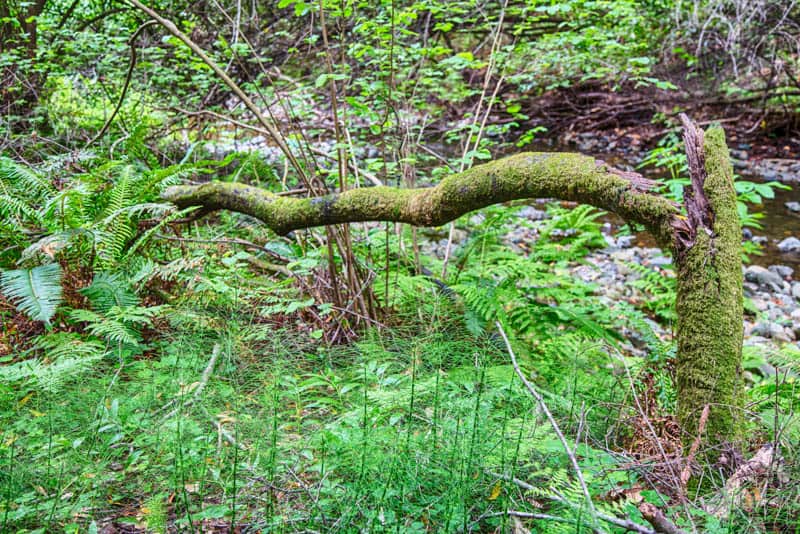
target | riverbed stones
x=763, y=277
x=784, y=271
x=790, y=244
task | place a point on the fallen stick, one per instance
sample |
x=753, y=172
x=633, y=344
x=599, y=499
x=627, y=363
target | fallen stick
x=542, y=406
x=200, y=385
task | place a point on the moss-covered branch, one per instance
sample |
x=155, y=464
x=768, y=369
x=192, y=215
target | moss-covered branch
x=527, y=175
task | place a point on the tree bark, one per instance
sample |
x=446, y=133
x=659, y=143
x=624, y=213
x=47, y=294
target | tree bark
x=706, y=244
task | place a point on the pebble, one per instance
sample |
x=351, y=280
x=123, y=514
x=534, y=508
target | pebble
x=763, y=277
x=531, y=213
x=790, y=244
x=793, y=206
x=784, y=271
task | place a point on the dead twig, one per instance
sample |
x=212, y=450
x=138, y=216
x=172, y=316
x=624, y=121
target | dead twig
x=543, y=407
x=687, y=470
x=656, y=517
x=616, y=521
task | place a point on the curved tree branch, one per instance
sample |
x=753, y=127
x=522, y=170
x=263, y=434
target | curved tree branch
x=528, y=175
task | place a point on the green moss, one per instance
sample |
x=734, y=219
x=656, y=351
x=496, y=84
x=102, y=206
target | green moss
x=527, y=175
x=709, y=307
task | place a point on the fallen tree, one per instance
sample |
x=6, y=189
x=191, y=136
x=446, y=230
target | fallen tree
x=705, y=242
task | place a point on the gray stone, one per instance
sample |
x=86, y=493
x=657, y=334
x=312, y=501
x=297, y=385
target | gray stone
x=796, y=290
x=784, y=271
x=760, y=239
x=793, y=206
x=786, y=335
x=790, y=244
x=659, y=261
x=531, y=213
x=625, y=241
x=624, y=255
x=739, y=164
x=770, y=330
x=763, y=277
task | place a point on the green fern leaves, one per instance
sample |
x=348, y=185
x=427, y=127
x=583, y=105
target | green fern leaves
x=35, y=292
x=109, y=290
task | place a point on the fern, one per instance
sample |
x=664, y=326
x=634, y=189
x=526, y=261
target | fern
x=118, y=230
x=108, y=290
x=659, y=288
x=64, y=356
x=36, y=292
x=118, y=325
x=17, y=177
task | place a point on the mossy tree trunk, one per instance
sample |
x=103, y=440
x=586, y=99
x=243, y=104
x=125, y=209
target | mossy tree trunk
x=709, y=301
x=706, y=244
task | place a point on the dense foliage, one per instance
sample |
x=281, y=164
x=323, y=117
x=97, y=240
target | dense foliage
x=168, y=372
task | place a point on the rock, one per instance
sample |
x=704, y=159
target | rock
x=769, y=175
x=739, y=164
x=770, y=330
x=767, y=369
x=531, y=213
x=786, y=335
x=625, y=241
x=764, y=278
x=796, y=290
x=627, y=255
x=659, y=261
x=760, y=239
x=747, y=233
x=795, y=315
x=793, y=206
x=790, y=244
x=755, y=340
x=784, y=271
x=740, y=154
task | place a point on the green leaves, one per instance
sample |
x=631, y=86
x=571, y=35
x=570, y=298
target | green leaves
x=108, y=290
x=35, y=292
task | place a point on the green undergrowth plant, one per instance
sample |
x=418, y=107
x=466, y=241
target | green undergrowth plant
x=264, y=429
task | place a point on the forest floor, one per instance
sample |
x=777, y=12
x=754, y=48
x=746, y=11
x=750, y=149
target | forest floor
x=237, y=419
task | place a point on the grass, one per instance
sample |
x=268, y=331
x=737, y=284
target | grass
x=222, y=421
x=390, y=433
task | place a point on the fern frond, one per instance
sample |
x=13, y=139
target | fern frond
x=36, y=292
x=50, y=245
x=65, y=357
x=108, y=290
x=23, y=179
x=111, y=330
x=153, y=209
x=149, y=233
x=13, y=207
